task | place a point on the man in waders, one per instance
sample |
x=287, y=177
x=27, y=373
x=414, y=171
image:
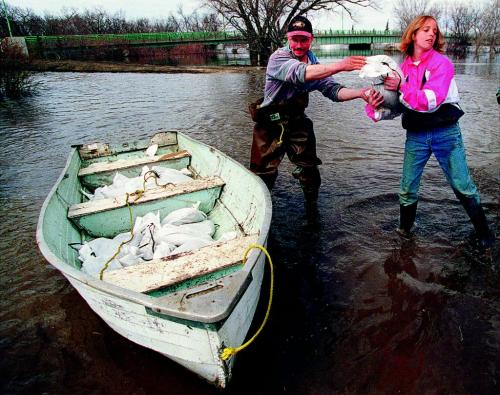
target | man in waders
x=280, y=123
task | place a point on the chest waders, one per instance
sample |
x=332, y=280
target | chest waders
x=283, y=128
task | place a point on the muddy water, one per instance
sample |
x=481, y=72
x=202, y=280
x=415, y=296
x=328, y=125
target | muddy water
x=357, y=311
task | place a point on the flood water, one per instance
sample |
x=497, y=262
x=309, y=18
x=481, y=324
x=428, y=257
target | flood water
x=356, y=311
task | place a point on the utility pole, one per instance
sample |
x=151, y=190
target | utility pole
x=7, y=17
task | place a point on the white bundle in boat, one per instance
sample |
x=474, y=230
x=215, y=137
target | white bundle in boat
x=96, y=253
x=183, y=230
x=122, y=185
x=151, y=151
x=187, y=215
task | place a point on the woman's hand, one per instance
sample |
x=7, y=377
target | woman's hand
x=352, y=63
x=372, y=97
x=392, y=82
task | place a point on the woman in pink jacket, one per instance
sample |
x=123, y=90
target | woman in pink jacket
x=430, y=97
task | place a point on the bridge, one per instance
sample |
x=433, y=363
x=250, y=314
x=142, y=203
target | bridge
x=40, y=44
x=324, y=37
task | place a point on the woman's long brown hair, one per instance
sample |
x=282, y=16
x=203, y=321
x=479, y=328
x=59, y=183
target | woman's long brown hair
x=407, y=46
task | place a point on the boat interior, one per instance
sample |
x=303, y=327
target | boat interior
x=111, y=216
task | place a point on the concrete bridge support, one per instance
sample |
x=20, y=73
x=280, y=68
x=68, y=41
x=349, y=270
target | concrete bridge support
x=19, y=41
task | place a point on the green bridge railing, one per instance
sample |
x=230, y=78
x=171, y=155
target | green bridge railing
x=322, y=36
x=135, y=37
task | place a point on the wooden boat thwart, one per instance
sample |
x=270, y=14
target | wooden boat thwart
x=190, y=306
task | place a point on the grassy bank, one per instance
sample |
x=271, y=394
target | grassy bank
x=117, y=67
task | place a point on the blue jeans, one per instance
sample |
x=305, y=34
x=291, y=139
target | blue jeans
x=448, y=148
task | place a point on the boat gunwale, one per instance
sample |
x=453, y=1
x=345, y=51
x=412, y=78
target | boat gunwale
x=137, y=297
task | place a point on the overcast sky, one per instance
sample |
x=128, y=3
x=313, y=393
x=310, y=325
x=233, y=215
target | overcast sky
x=367, y=18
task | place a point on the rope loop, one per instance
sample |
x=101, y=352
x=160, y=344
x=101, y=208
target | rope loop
x=150, y=174
x=228, y=352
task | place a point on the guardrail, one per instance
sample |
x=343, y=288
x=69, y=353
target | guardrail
x=135, y=37
x=176, y=37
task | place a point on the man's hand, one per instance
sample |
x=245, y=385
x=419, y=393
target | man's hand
x=318, y=71
x=372, y=97
x=352, y=63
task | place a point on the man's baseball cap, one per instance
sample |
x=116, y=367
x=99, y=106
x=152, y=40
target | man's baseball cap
x=299, y=26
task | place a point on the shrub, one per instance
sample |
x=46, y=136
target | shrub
x=15, y=78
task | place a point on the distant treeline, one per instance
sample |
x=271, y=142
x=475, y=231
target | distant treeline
x=25, y=22
x=464, y=23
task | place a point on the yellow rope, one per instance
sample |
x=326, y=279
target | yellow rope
x=228, y=352
x=139, y=193
x=153, y=174
x=280, y=140
x=150, y=174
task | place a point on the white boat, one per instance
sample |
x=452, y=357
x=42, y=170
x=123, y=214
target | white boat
x=188, y=307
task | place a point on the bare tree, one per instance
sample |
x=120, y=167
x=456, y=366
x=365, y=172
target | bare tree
x=141, y=25
x=490, y=24
x=70, y=22
x=196, y=22
x=479, y=29
x=174, y=22
x=211, y=23
x=406, y=10
x=169, y=24
x=462, y=18
x=23, y=21
x=117, y=23
x=464, y=22
x=96, y=20
x=263, y=23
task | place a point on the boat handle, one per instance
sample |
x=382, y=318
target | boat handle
x=204, y=291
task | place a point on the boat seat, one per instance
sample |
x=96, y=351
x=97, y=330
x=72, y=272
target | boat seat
x=94, y=152
x=108, y=217
x=170, y=270
x=101, y=173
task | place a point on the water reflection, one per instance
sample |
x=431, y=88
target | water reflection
x=242, y=59
x=468, y=64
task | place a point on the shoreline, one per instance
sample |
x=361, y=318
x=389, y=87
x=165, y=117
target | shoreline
x=119, y=67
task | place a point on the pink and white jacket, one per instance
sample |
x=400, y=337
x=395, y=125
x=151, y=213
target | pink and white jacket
x=426, y=94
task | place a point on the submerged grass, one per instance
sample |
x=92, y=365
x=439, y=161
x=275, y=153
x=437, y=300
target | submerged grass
x=16, y=80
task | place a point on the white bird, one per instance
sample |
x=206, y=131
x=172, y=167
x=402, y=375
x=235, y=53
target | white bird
x=377, y=68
